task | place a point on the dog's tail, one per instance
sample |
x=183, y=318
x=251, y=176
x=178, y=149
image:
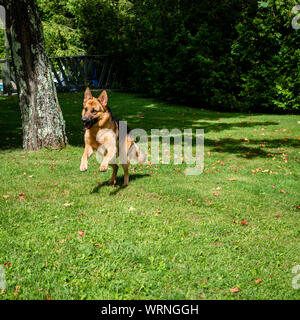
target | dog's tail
x=136, y=155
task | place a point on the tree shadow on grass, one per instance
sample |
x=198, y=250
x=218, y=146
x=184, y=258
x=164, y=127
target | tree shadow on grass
x=254, y=149
x=155, y=114
x=150, y=114
x=119, y=185
x=75, y=132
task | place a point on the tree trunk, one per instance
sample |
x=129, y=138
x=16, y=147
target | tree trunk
x=42, y=119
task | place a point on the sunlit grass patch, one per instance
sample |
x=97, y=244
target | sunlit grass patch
x=67, y=235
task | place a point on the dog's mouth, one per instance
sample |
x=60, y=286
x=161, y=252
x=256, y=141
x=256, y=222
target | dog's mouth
x=89, y=123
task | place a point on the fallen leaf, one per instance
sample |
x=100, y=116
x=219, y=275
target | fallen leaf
x=55, y=183
x=67, y=204
x=218, y=188
x=83, y=214
x=16, y=291
x=131, y=209
x=64, y=240
x=81, y=233
x=236, y=289
x=298, y=207
x=216, y=194
x=5, y=196
x=231, y=179
x=277, y=216
x=21, y=196
x=244, y=222
x=257, y=281
x=158, y=212
x=282, y=191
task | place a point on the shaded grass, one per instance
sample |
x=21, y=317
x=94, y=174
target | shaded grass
x=165, y=236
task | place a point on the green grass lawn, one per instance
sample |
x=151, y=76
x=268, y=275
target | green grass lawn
x=165, y=236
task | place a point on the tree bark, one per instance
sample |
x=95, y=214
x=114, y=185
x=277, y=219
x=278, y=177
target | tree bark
x=42, y=119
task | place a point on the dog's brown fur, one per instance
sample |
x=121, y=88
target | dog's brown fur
x=102, y=133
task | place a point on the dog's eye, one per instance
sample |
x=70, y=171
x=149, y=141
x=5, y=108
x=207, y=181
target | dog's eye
x=93, y=111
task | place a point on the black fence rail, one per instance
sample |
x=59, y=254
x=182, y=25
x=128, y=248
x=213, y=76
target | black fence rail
x=78, y=72
x=70, y=73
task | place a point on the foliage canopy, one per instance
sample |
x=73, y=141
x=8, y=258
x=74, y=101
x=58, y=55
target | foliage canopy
x=225, y=55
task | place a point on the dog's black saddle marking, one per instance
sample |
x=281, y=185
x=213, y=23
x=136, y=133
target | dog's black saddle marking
x=116, y=120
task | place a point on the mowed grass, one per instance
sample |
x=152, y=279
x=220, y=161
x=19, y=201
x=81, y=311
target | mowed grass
x=167, y=235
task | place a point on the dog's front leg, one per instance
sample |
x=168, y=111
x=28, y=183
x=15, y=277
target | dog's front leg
x=88, y=151
x=109, y=158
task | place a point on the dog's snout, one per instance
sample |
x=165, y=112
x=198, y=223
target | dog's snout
x=84, y=119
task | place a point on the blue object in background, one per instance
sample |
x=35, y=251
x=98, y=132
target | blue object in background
x=1, y=86
x=95, y=83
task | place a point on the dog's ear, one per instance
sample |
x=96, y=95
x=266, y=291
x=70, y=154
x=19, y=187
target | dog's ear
x=87, y=95
x=103, y=99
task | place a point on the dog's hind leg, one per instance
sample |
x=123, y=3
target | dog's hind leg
x=126, y=174
x=113, y=179
x=88, y=151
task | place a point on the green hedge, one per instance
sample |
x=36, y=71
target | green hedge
x=227, y=55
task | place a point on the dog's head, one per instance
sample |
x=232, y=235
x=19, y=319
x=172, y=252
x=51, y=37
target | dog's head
x=93, y=108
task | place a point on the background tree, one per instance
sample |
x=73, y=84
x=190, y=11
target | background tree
x=62, y=38
x=42, y=119
x=227, y=55
x=267, y=53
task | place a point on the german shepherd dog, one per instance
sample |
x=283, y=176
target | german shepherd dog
x=102, y=135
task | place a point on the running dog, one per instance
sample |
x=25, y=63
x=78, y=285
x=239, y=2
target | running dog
x=102, y=135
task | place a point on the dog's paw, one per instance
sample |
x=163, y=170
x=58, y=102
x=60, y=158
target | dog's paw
x=83, y=167
x=103, y=168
